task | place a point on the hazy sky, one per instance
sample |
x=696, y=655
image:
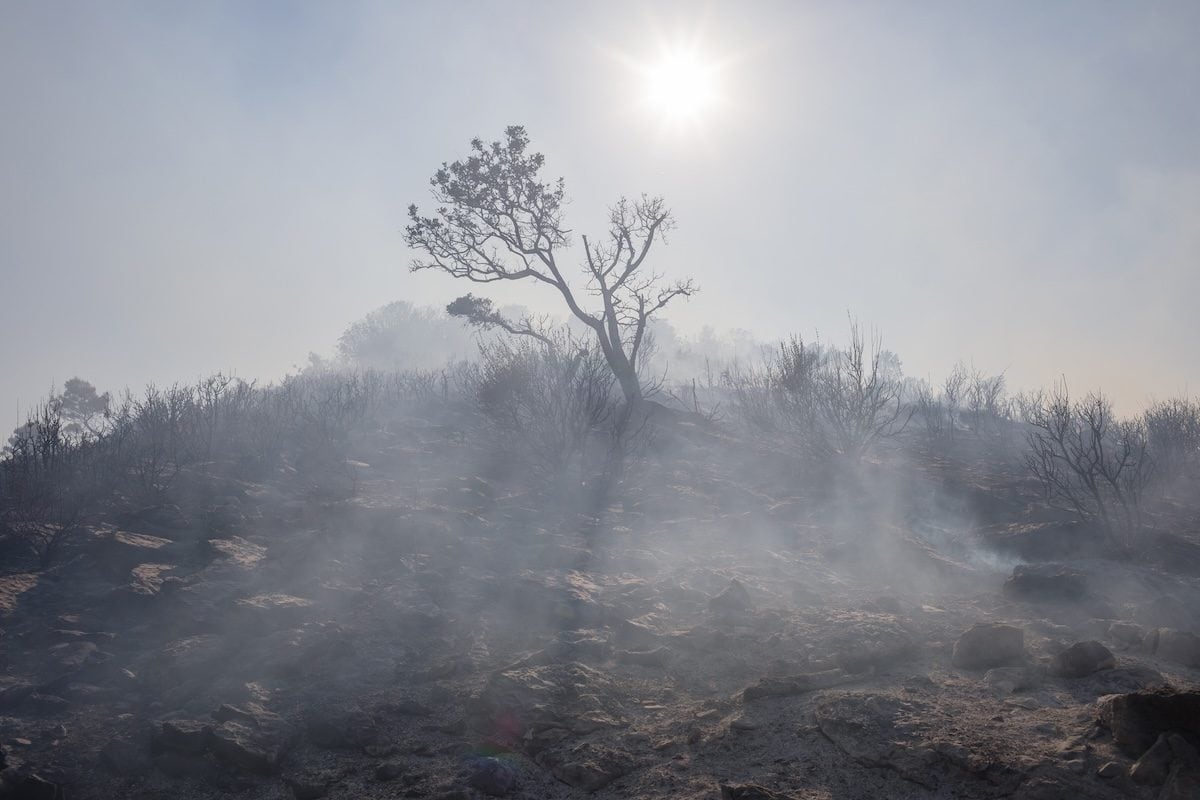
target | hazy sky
x=190, y=187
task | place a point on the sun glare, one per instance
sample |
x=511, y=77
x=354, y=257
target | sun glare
x=680, y=86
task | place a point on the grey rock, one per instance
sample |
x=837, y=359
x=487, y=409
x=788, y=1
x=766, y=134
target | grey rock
x=1082, y=659
x=988, y=644
x=183, y=736
x=492, y=777
x=733, y=599
x=658, y=657
x=1178, y=646
x=1136, y=719
x=1154, y=764
x=1183, y=783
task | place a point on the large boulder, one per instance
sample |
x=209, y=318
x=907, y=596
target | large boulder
x=1082, y=659
x=1137, y=719
x=1178, y=646
x=989, y=644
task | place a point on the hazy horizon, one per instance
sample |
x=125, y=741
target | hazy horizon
x=223, y=187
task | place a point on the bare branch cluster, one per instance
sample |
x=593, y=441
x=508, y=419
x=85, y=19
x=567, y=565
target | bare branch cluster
x=1092, y=462
x=832, y=401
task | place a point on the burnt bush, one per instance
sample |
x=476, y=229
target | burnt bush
x=57, y=475
x=1089, y=460
x=829, y=401
x=551, y=404
x=49, y=480
x=1173, y=435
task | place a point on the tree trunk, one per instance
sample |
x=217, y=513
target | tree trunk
x=630, y=385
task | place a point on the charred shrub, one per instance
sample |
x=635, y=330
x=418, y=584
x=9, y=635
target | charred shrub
x=552, y=404
x=50, y=479
x=1090, y=461
x=1173, y=435
x=831, y=402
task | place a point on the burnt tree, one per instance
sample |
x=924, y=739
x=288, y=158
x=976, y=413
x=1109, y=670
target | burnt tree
x=498, y=220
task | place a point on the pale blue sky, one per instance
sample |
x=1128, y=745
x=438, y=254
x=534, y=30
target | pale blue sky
x=191, y=187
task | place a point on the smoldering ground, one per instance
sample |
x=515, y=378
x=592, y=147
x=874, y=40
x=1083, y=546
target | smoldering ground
x=378, y=584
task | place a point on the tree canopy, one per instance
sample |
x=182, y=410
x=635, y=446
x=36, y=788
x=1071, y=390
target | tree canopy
x=499, y=220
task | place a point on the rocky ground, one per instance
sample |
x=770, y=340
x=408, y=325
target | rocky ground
x=729, y=624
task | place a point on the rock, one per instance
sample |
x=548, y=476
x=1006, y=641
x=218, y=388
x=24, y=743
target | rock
x=1045, y=583
x=246, y=747
x=733, y=599
x=341, y=728
x=795, y=684
x=637, y=635
x=1127, y=633
x=588, y=766
x=1136, y=719
x=492, y=776
x=1080, y=659
x=658, y=657
x=184, y=736
x=1183, y=783
x=1178, y=646
x=117, y=553
x=122, y=757
x=1154, y=764
x=1007, y=680
x=1120, y=680
x=988, y=644
x=1109, y=770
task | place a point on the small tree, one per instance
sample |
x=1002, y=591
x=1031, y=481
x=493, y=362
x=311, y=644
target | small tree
x=401, y=335
x=859, y=393
x=83, y=411
x=498, y=220
x=1086, y=458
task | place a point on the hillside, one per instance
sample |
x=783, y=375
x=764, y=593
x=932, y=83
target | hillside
x=727, y=620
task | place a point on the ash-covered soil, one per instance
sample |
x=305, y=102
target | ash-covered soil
x=726, y=622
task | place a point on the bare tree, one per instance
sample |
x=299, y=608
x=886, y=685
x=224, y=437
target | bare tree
x=985, y=401
x=1083, y=456
x=1173, y=432
x=953, y=389
x=499, y=221
x=860, y=399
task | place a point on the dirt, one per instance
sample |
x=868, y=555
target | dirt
x=728, y=622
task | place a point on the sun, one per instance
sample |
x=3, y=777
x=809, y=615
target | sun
x=681, y=86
